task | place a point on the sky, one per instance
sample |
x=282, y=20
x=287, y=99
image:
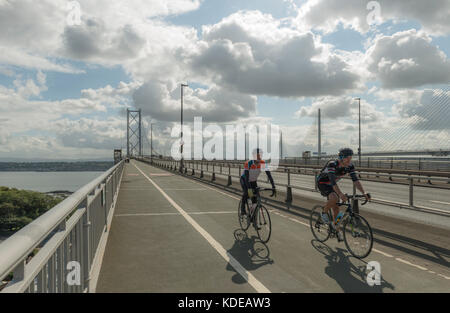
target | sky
x=69, y=70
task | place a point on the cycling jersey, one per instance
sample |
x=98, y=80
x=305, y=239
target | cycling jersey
x=332, y=173
x=254, y=170
x=250, y=176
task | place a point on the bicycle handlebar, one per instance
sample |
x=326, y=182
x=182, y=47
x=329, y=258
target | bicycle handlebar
x=274, y=191
x=358, y=197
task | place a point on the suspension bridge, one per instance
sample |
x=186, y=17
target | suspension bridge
x=155, y=224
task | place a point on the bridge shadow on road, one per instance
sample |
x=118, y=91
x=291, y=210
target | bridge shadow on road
x=349, y=272
x=251, y=253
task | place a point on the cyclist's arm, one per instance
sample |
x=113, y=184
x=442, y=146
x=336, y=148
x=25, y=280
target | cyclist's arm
x=355, y=179
x=269, y=175
x=247, y=178
x=359, y=186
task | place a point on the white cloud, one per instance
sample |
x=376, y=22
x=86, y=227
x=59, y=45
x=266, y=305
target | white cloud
x=326, y=15
x=341, y=107
x=214, y=104
x=407, y=59
x=252, y=53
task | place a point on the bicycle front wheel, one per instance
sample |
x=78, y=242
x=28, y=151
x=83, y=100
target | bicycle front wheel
x=358, y=236
x=263, y=224
x=319, y=228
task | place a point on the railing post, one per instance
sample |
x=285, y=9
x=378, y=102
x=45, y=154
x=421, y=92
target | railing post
x=213, y=178
x=315, y=181
x=19, y=272
x=411, y=195
x=229, y=176
x=289, y=189
x=86, y=244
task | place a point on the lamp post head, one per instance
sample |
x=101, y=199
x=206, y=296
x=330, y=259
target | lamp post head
x=184, y=85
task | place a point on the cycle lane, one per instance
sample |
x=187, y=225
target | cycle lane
x=151, y=248
x=297, y=263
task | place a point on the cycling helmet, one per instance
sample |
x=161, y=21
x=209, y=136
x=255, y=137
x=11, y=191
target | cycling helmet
x=257, y=151
x=345, y=152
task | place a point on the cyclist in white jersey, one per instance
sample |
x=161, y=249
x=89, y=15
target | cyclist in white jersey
x=249, y=178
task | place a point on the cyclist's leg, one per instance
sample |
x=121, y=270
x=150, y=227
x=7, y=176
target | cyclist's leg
x=253, y=185
x=244, y=195
x=327, y=191
x=331, y=204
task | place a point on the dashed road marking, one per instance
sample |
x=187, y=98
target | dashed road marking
x=167, y=213
x=383, y=253
x=409, y=263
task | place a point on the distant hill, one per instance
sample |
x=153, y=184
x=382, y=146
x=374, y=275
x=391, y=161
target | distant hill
x=86, y=166
x=35, y=160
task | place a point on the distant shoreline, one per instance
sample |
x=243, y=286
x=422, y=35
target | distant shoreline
x=94, y=166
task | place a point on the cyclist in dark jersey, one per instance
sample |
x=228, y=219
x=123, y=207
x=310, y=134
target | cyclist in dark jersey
x=330, y=175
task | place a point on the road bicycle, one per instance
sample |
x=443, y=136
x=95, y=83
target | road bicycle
x=357, y=232
x=259, y=217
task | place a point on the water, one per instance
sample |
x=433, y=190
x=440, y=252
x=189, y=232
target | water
x=47, y=181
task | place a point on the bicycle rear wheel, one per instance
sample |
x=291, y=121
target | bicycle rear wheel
x=263, y=224
x=244, y=220
x=319, y=229
x=358, y=236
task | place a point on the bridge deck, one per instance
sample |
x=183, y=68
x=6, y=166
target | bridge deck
x=173, y=234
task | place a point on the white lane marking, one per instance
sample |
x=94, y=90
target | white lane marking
x=217, y=191
x=297, y=221
x=409, y=263
x=185, y=189
x=159, y=214
x=441, y=202
x=383, y=253
x=256, y=284
x=446, y=277
x=161, y=174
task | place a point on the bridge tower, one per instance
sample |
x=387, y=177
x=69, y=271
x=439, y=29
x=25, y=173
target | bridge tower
x=134, y=132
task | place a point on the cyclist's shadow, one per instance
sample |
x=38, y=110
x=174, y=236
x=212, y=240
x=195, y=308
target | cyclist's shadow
x=251, y=253
x=350, y=277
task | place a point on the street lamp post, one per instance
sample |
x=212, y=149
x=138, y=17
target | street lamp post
x=359, y=114
x=151, y=143
x=181, y=162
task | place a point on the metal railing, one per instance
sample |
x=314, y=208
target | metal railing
x=381, y=163
x=68, y=237
x=218, y=169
